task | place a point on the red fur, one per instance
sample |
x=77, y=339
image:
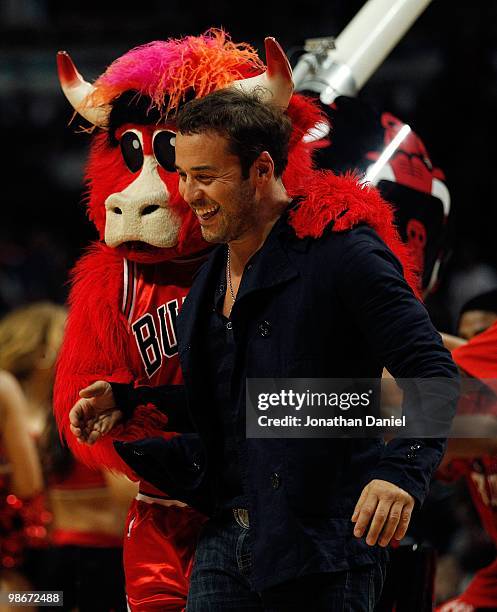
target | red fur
x=165, y=70
x=96, y=347
x=341, y=200
x=304, y=114
x=106, y=173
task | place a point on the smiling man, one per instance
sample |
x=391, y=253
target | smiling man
x=233, y=183
x=293, y=522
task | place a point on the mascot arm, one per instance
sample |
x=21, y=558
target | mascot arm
x=95, y=347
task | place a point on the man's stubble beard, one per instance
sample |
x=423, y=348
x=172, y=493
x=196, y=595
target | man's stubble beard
x=238, y=218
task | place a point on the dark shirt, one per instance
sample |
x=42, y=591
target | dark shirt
x=219, y=351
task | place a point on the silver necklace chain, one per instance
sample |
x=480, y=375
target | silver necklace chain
x=230, y=284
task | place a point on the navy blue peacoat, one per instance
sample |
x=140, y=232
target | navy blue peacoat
x=333, y=307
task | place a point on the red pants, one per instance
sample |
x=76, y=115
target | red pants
x=159, y=546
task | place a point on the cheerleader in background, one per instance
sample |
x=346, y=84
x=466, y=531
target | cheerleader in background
x=20, y=483
x=86, y=507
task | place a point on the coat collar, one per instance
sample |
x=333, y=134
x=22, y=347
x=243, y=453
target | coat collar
x=270, y=266
x=198, y=299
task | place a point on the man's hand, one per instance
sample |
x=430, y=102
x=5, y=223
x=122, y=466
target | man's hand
x=387, y=510
x=95, y=414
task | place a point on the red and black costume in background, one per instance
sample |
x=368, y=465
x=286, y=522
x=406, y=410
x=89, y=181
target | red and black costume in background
x=356, y=137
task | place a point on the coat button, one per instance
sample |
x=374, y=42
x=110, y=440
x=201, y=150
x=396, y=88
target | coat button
x=413, y=451
x=265, y=329
x=275, y=480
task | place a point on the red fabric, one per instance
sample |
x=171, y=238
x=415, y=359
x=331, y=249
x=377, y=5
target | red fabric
x=481, y=477
x=478, y=357
x=481, y=472
x=159, y=546
x=158, y=294
x=81, y=477
x=94, y=539
x=410, y=163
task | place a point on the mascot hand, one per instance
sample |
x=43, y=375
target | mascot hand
x=95, y=414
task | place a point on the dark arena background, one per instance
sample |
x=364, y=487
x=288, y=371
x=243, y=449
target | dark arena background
x=441, y=79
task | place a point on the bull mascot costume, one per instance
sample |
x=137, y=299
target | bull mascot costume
x=128, y=288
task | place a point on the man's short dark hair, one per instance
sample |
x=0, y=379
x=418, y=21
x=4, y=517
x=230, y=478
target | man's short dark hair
x=249, y=125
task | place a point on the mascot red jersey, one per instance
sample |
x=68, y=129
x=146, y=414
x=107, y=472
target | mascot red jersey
x=128, y=288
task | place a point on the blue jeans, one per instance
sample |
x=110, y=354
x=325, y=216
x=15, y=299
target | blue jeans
x=219, y=581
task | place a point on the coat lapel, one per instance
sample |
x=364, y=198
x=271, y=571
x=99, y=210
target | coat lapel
x=271, y=265
x=195, y=303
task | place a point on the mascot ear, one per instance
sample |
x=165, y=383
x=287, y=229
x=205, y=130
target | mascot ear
x=276, y=84
x=77, y=91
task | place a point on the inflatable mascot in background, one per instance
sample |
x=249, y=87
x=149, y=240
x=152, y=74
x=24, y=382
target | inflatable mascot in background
x=377, y=145
x=128, y=288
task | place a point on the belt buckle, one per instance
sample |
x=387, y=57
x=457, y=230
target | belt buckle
x=241, y=517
